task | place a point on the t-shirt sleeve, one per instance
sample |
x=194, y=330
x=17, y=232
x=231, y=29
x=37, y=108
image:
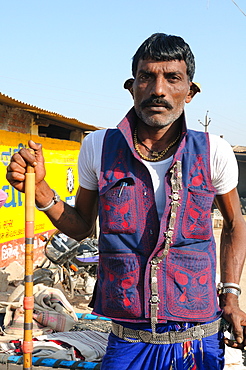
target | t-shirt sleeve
x=87, y=175
x=224, y=168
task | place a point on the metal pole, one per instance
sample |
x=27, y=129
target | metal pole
x=29, y=241
x=207, y=122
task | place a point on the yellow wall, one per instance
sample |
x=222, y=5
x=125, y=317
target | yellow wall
x=60, y=159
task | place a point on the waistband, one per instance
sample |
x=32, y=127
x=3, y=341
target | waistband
x=198, y=331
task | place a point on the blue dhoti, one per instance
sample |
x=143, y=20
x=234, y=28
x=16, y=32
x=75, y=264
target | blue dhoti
x=204, y=354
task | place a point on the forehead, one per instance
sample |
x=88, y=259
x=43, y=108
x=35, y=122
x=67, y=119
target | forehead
x=177, y=66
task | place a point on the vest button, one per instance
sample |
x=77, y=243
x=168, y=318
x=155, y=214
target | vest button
x=154, y=299
x=169, y=233
x=155, y=261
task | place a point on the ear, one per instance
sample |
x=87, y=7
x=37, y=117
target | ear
x=128, y=85
x=194, y=88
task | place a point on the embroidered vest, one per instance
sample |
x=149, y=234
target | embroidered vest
x=131, y=235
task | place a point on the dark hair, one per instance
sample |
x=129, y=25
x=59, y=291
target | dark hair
x=162, y=47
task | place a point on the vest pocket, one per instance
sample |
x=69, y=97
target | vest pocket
x=118, y=282
x=118, y=208
x=189, y=285
x=197, y=219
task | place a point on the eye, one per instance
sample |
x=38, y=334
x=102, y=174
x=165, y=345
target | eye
x=144, y=77
x=173, y=78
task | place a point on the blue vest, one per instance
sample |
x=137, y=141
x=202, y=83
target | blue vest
x=131, y=234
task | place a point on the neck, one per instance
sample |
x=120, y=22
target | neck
x=158, y=136
x=155, y=144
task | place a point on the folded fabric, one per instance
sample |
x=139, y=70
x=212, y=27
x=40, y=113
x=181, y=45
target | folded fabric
x=52, y=309
x=52, y=299
x=54, y=320
x=14, y=323
x=45, y=349
x=74, y=345
x=52, y=312
x=61, y=354
x=91, y=344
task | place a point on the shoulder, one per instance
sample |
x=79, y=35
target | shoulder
x=224, y=169
x=219, y=146
x=93, y=142
x=95, y=137
x=199, y=137
x=218, y=141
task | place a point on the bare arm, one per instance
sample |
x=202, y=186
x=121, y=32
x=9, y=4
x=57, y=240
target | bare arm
x=232, y=258
x=76, y=222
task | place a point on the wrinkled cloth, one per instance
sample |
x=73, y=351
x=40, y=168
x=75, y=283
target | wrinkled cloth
x=207, y=354
x=87, y=345
x=91, y=344
x=52, y=309
x=52, y=312
x=50, y=349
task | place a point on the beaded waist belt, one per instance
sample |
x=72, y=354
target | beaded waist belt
x=198, y=331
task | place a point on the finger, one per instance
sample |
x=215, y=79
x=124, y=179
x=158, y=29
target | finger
x=15, y=167
x=18, y=158
x=233, y=344
x=27, y=156
x=15, y=177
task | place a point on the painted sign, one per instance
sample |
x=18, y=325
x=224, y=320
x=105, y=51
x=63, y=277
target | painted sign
x=61, y=167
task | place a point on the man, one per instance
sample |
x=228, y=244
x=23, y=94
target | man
x=153, y=183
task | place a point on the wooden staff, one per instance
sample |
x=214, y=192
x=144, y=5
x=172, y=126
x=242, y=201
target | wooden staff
x=29, y=241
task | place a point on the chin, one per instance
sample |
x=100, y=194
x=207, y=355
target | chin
x=159, y=120
x=155, y=122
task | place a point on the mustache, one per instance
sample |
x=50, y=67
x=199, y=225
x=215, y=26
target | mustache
x=156, y=101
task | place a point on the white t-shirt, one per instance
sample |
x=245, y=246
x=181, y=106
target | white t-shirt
x=224, y=169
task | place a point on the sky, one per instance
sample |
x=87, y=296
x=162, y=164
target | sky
x=72, y=57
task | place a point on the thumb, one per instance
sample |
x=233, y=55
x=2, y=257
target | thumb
x=38, y=151
x=34, y=146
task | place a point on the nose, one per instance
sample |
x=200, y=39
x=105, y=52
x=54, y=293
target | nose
x=159, y=86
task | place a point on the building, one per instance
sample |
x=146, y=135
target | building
x=61, y=138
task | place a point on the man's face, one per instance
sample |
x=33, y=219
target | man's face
x=160, y=91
